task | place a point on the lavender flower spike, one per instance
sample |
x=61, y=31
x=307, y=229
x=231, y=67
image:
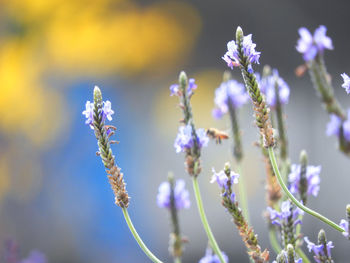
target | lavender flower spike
x=175, y=88
x=222, y=179
x=310, y=46
x=232, y=93
x=312, y=176
x=184, y=139
x=346, y=84
x=181, y=195
x=232, y=55
x=322, y=251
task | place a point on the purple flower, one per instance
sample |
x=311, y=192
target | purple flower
x=319, y=250
x=181, y=195
x=184, y=138
x=107, y=111
x=231, y=56
x=267, y=87
x=334, y=125
x=222, y=179
x=346, y=84
x=89, y=114
x=175, y=88
x=312, y=177
x=285, y=255
x=212, y=258
x=229, y=92
x=287, y=210
x=310, y=45
x=35, y=257
x=345, y=225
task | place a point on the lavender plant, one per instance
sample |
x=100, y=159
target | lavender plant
x=289, y=186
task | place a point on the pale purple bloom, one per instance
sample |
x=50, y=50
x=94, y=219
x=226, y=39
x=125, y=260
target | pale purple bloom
x=279, y=218
x=222, y=179
x=231, y=56
x=344, y=224
x=107, y=111
x=310, y=45
x=318, y=250
x=346, y=84
x=184, y=138
x=312, y=177
x=89, y=114
x=181, y=195
x=35, y=257
x=333, y=126
x=229, y=92
x=175, y=88
x=267, y=87
x=212, y=258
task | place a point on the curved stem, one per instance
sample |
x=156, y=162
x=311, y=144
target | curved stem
x=293, y=199
x=242, y=193
x=302, y=255
x=138, y=238
x=204, y=219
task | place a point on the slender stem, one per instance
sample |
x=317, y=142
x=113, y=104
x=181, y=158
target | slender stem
x=242, y=193
x=138, y=238
x=302, y=255
x=205, y=223
x=273, y=241
x=293, y=199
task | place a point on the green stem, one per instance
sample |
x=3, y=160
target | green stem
x=302, y=255
x=273, y=241
x=138, y=238
x=177, y=260
x=204, y=219
x=293, y=199
x=242, y=193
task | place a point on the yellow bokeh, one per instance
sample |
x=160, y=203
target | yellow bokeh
x=26, y=107
x=128, y=40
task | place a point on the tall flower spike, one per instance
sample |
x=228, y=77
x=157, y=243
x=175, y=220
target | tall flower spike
x=249, y=238
x=173, y=195
x=322, y=251
x=115, y=176
x=261, y=110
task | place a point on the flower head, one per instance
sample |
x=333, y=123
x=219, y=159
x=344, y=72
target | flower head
x=267, y=86
x=231, y=56
x=107, y=111
x=345, y=225
x=334, y=125
x=175, y=88
x=346, y=84
x=312, y=176
x=184, y=138
x=310, y=45
x=231, y=92
x=287, y=210
x=319, y=250
x=181, y=195
x=222, y=179
x=212, y=258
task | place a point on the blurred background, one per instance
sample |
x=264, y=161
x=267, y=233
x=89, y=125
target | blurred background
x=54, y=195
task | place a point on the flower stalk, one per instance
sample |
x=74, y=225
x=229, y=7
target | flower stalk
x=115, y=176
